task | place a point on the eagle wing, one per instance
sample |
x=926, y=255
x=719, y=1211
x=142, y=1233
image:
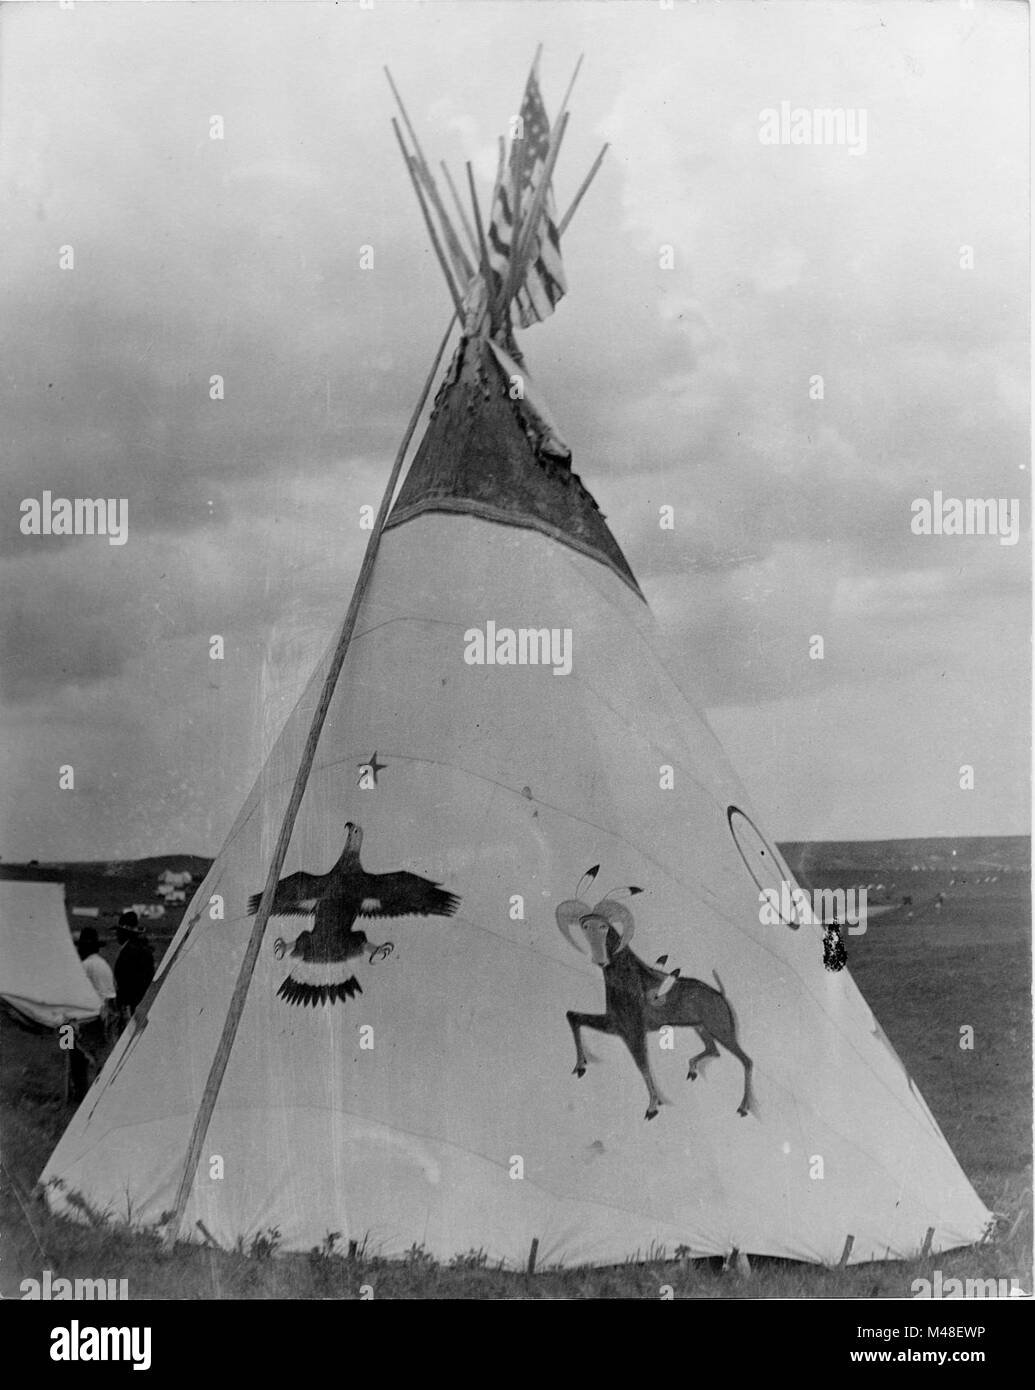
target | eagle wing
x=296, y=896
x=405, y=895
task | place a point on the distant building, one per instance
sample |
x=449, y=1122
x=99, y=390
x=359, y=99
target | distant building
x=172, y=886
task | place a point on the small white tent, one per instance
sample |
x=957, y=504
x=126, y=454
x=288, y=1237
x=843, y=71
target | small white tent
x=496, y=720
x=41, y=975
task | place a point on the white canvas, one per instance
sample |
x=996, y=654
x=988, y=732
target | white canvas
x=463, y=1126
x=41, y=974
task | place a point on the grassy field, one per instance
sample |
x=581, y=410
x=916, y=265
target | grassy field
x=925, y=976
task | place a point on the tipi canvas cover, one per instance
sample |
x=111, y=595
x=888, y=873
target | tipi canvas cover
x=504, y=724
x=41, y=976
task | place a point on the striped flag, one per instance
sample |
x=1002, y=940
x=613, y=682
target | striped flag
x=543, y=283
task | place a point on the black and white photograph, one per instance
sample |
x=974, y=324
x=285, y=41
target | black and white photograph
x=516, y=659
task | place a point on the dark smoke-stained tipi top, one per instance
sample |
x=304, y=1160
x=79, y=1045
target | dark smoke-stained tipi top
x=564, y=819
x=482, y=456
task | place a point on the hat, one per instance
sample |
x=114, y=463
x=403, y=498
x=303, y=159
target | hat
x=128, y=925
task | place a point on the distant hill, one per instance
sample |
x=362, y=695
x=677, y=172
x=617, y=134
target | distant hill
x=949, y=854
x=909, y=873
x=101, y=889
x=113, y=884
x=107, y=868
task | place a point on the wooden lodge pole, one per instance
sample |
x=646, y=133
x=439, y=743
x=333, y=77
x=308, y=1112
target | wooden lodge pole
x=461, y=264
x=459, y=208
x=237, y=1001
x=563, y=224
x=436, y=244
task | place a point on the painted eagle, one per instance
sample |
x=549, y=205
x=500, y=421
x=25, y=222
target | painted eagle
x=335, y=899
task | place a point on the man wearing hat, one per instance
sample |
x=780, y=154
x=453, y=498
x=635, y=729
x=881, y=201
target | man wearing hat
x=134, y=966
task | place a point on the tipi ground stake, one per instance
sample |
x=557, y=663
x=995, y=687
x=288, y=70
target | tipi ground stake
x=849, y=1242
x=532, y=1253
x=209, y=1238
x=251, y=955
x=928, y=1238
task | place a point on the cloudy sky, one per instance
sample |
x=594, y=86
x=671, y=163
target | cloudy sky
x=686, y=386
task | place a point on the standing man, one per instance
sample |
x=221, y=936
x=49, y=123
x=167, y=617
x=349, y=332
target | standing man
x=134, y=966
x=93, y=1037
x=97, y=969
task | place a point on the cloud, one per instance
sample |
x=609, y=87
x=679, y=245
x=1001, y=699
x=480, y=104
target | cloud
x=687, y=387
x=47, y=641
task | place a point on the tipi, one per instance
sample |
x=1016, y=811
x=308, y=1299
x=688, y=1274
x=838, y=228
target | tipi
x=41, y=976
x=490, y=832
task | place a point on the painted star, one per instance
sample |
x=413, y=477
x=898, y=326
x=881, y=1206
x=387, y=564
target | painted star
x=373, y=766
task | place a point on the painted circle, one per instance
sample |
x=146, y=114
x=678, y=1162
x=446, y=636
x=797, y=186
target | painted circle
x=762, y=862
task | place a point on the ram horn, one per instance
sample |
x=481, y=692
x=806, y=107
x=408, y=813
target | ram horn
x=570, y=914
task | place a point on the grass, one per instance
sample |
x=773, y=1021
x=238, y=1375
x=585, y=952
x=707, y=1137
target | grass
x=198, y=1272
x=925, y=978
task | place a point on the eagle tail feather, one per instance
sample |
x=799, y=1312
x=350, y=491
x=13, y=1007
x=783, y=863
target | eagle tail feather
x=302, y=992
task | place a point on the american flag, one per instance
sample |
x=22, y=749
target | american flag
x=543, y=283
